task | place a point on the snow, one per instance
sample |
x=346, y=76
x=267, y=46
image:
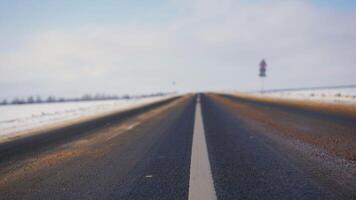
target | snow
x=17, y=120
x=340, y=95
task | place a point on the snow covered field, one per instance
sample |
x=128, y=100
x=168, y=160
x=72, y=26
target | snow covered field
x=18, y=119
x=340, y=95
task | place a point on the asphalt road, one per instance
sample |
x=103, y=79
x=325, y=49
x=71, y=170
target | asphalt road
x=244, y=166
x=160, y=152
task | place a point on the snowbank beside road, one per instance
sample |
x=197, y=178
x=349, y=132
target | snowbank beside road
x=16, y=120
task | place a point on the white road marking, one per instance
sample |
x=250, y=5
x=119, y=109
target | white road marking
x=201, y=185
x=123, y=129
x=133, y=125
x=149, y=176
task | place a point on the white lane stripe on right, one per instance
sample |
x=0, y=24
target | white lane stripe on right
x=201, y=185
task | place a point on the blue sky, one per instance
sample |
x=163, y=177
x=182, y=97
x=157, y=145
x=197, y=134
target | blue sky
x=336, y=4
x=47, y=47
x=24, y=16
x=36, y=14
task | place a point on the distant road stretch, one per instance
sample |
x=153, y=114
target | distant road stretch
x=195, y=147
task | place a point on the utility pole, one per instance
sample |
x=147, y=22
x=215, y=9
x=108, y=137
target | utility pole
x=263, y=69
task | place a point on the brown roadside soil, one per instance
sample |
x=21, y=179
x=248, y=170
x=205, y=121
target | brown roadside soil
x=347, y=110
x=336, y=137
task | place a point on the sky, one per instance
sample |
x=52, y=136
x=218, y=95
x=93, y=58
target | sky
x=69, y=48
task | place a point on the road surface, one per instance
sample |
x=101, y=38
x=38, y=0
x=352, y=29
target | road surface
x=195, y=147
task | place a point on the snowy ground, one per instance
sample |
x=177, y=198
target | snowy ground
x=341, y=95
x=19, y=119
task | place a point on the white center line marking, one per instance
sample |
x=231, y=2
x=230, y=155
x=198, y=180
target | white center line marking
x=201, y=186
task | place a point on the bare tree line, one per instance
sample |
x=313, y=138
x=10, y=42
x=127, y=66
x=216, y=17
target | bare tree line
x=85, y=97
